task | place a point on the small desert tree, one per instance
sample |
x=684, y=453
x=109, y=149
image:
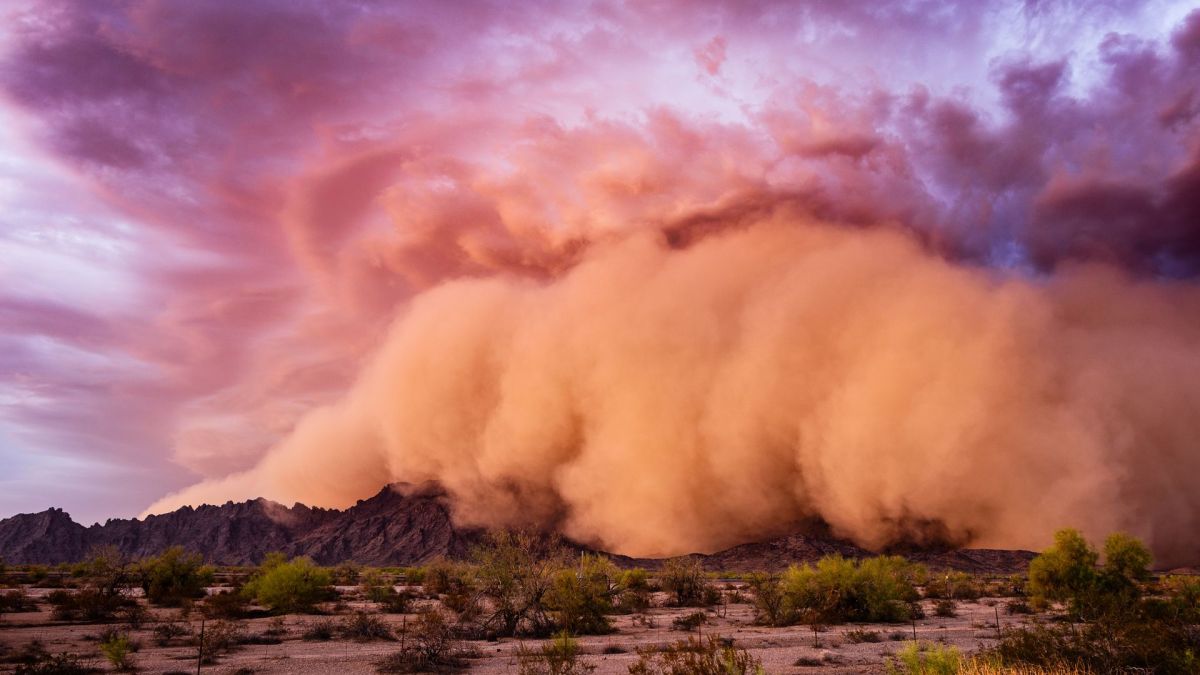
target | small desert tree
x=173, y=576
x=289, y=586
x=685, y=580
x=1066, y=571
x=1126, y=558
x=515, y=572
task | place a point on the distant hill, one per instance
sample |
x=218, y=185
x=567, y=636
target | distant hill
x=402, y=525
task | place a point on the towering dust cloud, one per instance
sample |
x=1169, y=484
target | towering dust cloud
x=656, y=400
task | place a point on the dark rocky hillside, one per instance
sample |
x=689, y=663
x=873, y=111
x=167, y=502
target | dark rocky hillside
x=402, y=525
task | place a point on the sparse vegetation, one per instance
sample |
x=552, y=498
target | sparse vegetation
x=559, y=656
x=695, y=656
x=363, y=627
x=858, y=636
x=953, y=586
x=428, y=646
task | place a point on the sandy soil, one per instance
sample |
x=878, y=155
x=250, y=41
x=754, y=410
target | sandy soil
x=779, y=648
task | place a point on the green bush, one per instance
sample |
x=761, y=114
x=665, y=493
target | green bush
x=1126, y=560
x=837, y=590
x=1066, y=571
x=635, y=595
x=580, y=597
x=118, y=650
x=173, y=576
x=289, y=587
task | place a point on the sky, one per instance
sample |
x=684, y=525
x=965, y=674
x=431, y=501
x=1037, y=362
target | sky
x=213, y=213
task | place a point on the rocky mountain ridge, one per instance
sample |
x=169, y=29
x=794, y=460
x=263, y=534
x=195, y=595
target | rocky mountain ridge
x=401, y=525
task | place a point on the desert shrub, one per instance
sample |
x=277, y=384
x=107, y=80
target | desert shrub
x=837, y=589
x=87, y=604
x=945, y=608
x=690, y=621
x=1017, y=607
x=119, y=652
x=321, y=630
x=347, y=573
x=378, y=588
x=219, y=637
x=515, y=572
x=857, y=636
x=1145, y=637
x=635, y=591
x=413, y=576
x=769, y=604
x=1067, y=572
x=170, y=577
x=16, y=601
x=54, y=664
x=613, y=649
x=694, y=656
x=168, y=631
x=685, y=581
x=374, y=584
x=103, y=577
x=580, y=597
x=428, y=645
x=926, y=659
x=225, y=605
x=134, y=614
x=443, y=577
x=953, y=586
x=36, y=574
x=288, y=587
x=363, y=627
x=559, y=656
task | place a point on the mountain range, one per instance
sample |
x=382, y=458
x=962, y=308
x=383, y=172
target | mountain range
x=403, y=524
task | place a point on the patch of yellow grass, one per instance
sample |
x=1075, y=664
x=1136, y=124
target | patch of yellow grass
x=980, y=667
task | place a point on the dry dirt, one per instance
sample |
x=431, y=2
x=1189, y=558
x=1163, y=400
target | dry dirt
x=779, y=648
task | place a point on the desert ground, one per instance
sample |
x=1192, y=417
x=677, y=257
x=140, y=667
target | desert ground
x=849, y=648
